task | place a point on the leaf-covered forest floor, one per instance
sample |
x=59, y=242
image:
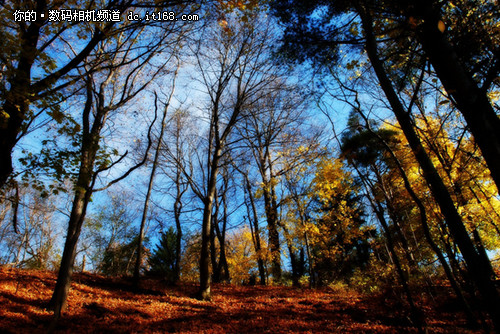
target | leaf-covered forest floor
x=107, y=305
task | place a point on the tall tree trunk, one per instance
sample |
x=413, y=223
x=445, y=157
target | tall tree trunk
x=303, y=220
x=312, y=276
x=221, y=236
x=271, y=210
x=479, y=266
x=204, y=289
x=178, y=247
x=11, y=121
x=140, y=241
x=179, y=192
x=213, y=251
x=178, y=241
x=274, y=237
x=83, y=192
x=254, y=222
x=58, y=303
x=294, y=259
x=471, y=100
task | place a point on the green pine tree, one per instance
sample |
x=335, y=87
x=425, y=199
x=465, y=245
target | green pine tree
x=162, y=260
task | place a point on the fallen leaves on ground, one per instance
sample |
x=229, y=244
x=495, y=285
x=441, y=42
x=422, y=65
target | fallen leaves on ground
x=98, y=304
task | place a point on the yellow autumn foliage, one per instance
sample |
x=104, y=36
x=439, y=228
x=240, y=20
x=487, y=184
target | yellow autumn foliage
x=462, y=169
x=241, y=255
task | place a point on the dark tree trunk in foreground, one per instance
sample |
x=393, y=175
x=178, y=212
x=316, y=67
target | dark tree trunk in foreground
x=205, y=279
x=274, y=237
x=472, y=101
x=428, y=235
x=83, y=192
x=479, y=266
x=220, y=268
x=58, y=303
x=178, y=241
x=271, y=210
x=94, y=116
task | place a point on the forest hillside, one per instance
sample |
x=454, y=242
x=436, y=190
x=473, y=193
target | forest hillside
x=101, y=304
x=281, y=165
